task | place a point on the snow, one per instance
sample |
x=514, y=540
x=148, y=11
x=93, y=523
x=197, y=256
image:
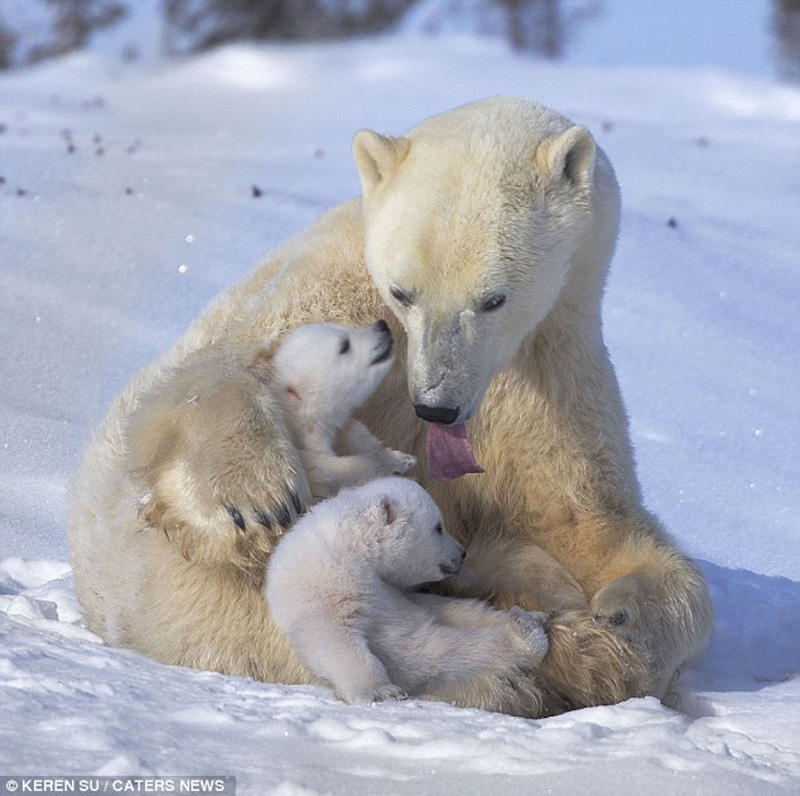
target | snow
x=108, y=255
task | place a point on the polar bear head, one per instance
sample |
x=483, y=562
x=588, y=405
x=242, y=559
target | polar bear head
x=397, y=525
x=328, y=370
x=477, y=223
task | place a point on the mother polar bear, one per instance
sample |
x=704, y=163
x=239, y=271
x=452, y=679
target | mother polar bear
x=484, y=236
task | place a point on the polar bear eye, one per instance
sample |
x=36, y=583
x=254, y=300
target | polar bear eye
x=399, y=296
x=439, y=528
x=344, y=347
x=493, y=302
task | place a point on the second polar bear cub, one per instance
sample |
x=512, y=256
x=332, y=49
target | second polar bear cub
x=324, y=372
x=341, y=586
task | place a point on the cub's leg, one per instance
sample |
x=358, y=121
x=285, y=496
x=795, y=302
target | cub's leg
x=340, y=655
x=356, y=438
x=213, y=460
x=464, y=652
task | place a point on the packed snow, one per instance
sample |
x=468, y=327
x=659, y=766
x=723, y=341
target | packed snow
x=131, y=196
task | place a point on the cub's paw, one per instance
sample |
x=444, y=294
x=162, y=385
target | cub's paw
x=384, y=692
x=399, y=462
x=532, y=626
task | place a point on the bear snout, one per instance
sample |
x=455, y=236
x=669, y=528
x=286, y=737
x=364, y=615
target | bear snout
x=385, y=346
x=454, y=565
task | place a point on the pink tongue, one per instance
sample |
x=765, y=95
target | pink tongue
x=449, y=452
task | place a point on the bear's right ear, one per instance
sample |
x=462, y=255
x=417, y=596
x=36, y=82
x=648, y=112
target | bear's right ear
x=568, y=156
x=388, y=511
x=377, y=157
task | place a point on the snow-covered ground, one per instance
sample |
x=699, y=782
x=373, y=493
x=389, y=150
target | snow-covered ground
x=108, y=251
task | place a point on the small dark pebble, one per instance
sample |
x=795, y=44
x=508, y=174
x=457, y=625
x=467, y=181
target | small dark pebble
x=94, y=103
x=21, y=192
x=2, y=180
x=96, y=139
x=607, y=127
x=70, y=147
x=129, y=191
x=3, y=128
x=99, y=151
x=702, y=141
x=134, y=147
x=256, y=191
x=319, y=153
x=672, y=223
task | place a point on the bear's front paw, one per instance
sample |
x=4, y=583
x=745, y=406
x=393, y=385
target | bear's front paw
x=532, y=626
x=617, y=605
x=400, y=462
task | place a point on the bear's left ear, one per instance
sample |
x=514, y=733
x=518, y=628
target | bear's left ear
x=388, y=511
x=377, y=157
x=568, y=156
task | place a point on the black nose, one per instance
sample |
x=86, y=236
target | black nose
x=436, y=414
x=380, y=326
x=463, y=554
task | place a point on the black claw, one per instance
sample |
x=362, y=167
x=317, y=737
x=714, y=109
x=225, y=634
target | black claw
x=263, y=518
x=283, y=516
x=298, y=506
x=237, y=518
x=619, y=618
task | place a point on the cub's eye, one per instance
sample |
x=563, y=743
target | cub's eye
x=439, y=528
x=344, y=347
x=399, y=296
x=493, y=302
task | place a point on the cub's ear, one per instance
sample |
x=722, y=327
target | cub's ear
x=388, y=511
x=568, y=156
x=377, y=157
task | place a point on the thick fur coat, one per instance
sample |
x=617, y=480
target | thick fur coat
x=484, y=237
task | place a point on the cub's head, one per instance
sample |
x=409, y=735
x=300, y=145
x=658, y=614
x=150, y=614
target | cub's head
x=475, y=222
x=327, y=370
x=400, y=527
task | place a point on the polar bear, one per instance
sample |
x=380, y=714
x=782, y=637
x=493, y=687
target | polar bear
x=323, y=373
x=484, y=237
x=341, y=586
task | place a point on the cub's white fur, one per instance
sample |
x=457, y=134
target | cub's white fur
x=324, y=372
x=340, y=585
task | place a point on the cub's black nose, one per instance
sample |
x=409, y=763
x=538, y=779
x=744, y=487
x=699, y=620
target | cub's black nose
x=380, y=326
x=443, y=415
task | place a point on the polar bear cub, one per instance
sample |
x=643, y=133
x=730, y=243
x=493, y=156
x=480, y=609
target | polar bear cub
x=324, y=372
x=341, y=586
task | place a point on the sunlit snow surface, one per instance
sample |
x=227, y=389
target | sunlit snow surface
x=107, y=252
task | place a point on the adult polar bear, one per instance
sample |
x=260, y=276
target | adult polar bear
x=487, y=232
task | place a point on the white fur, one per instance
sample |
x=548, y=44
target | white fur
x=340, y=586
x=499, y=197
x=323, y=373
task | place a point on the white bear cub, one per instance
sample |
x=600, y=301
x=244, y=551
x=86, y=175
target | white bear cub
x=324, y=372
x=340, y=585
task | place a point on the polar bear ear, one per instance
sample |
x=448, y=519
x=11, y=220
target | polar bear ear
x=388, y=511
x=377, y=157
x=569, y=156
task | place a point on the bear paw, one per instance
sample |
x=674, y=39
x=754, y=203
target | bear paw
x=532, y=626
x=616, y=606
